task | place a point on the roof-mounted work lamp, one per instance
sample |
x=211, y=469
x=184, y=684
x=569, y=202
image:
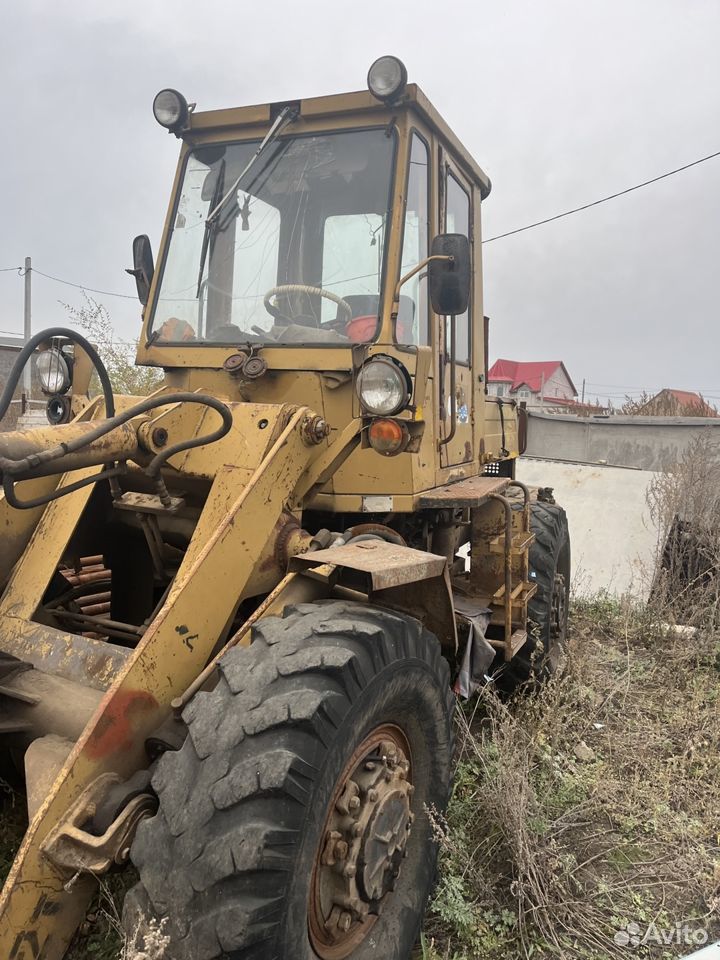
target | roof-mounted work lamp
x=171, y=110
x=387, y=79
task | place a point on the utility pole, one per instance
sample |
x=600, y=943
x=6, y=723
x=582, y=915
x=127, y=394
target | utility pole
x=542, y=393
x=27, y=333
x=583, y=392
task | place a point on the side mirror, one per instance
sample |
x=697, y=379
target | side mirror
x=449, y=280
x=143, y=267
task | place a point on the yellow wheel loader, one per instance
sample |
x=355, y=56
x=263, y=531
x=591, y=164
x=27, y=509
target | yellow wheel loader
x=234, y=614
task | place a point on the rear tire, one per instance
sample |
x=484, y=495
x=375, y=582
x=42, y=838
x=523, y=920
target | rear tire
x=236, y=857
x=544, y=653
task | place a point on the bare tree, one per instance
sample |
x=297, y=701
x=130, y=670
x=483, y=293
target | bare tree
x=117, y=355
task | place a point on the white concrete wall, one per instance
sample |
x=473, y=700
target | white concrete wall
x=651, y=443
x=613, y=541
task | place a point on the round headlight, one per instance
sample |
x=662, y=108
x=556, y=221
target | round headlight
x=53, y=371
x=382, y=387
x=387, y=78
x=170, y=109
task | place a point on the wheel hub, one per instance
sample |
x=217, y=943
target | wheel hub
x=363, y=844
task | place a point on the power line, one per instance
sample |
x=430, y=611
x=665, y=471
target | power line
x=603, y=388
x=594, y=203
x=81, y=286
x=499, y=236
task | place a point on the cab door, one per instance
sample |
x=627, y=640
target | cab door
x=456, y=347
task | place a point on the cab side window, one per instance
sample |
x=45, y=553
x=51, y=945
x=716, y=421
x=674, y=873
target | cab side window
x=457, y=220
x=412, y=322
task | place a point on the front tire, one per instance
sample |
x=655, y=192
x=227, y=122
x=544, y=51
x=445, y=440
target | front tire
x=293, y=821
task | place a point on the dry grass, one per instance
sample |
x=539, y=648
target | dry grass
x=545, y=854
x=589, y=806
x=684, y=504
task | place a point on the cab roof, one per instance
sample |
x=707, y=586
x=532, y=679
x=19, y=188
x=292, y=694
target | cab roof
x=359, y=102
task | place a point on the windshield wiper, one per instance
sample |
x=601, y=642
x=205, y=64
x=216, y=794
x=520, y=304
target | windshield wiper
x=287, y=115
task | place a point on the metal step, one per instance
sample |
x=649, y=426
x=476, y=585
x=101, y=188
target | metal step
x=517, y=640
x=520, y=543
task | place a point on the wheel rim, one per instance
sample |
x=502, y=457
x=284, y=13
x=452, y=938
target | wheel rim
x=362, y=845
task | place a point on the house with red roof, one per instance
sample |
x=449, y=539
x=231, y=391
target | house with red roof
x=676, y=403
x=540, y=384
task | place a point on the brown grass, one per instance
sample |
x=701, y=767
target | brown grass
x=548, y=855
x=684, y=504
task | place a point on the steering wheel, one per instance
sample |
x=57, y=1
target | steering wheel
x=272, y=309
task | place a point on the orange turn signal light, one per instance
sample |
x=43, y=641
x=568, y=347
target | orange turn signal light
x=388, y=437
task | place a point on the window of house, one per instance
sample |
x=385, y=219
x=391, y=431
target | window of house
x=500, y=390
x=524, y=394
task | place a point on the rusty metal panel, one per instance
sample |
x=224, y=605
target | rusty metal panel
x=430, y=602
x=388, y=564
x=465, y=493
x=93, y=663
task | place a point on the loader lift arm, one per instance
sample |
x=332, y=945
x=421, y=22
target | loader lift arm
x=40, y=908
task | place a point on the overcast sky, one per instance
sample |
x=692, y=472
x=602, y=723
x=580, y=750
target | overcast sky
x=561, y=101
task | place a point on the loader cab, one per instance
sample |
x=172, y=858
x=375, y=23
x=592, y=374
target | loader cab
x=298, y=246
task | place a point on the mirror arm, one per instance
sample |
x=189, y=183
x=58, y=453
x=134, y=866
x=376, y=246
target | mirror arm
x=416, y=269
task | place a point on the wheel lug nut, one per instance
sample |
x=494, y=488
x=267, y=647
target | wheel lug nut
x=356, y=830
x=354, y=803
x=349, y=871
x=344, y=922
x=372, y=796
x=410, y=790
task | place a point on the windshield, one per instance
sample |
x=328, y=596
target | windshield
x=296, y=253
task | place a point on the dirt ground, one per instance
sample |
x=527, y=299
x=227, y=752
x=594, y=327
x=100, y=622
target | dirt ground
x=585, y=821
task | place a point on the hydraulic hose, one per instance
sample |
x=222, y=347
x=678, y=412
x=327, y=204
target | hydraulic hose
x=12, y=498
x=25, y=466
x=49, y=334
x=15, y=469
